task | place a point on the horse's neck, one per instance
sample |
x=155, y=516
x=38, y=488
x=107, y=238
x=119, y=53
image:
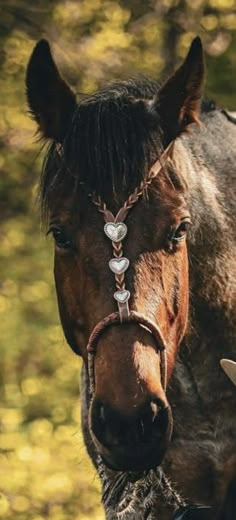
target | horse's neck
x=212, y=325
x=212, y=252
x=202, y=398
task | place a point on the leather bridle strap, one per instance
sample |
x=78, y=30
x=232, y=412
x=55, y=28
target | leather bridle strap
x=119, y=219
x=119, y=264
x=114, y=319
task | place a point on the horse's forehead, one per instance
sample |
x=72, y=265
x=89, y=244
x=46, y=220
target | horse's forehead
x=161, y=207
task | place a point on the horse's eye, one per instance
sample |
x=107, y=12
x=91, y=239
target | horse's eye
x=61, y=238
x=180, y=232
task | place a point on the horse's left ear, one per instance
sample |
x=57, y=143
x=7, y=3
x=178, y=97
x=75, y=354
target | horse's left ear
x=178, y=100
x=50, y=99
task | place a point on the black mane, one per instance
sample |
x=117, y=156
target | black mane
x=113, y=139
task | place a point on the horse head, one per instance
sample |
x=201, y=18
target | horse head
x=102, y=149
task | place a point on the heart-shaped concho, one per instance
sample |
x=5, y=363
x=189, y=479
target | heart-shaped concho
x=122, y=296
x=119, y=265
x=116, y=232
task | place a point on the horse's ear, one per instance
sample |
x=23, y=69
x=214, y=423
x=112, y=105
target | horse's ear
x=50, y=99
x=178, y=100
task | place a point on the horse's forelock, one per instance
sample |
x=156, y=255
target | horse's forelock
x=109, y=148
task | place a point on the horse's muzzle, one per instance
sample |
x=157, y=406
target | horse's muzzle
x=134, y=443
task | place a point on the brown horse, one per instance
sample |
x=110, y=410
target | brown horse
x=123, y=157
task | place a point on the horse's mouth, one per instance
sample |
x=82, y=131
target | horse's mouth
x=137, y=456
x=140, y=461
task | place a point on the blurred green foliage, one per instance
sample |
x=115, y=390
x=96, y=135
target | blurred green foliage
x=44, y=471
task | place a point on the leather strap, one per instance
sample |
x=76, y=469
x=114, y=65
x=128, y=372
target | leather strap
x=124, y=315
x=124, y=311
x=133, y=317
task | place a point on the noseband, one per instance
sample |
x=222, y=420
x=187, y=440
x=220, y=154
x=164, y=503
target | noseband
x=116, y=230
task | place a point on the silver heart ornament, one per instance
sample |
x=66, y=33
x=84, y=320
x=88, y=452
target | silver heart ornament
x=122, y=296
x=115, y=231
x=229, y=367
x=119, y=265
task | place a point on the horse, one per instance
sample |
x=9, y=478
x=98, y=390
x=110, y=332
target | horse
x=137, y=190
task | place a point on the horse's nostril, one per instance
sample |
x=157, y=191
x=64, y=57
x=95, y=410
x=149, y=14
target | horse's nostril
x=102, y=414
x=151, y=420
x=105, y=424
x=99, y=418
x=155, y=410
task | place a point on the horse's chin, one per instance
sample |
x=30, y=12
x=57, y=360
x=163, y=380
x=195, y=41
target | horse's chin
x=133, y=465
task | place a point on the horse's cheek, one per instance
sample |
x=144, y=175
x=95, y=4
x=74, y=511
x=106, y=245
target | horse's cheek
x=68, y=290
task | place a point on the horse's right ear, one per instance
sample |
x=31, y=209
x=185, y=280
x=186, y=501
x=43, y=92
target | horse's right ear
x=50, y=99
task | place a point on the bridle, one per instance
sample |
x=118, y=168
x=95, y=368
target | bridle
x=116, y=230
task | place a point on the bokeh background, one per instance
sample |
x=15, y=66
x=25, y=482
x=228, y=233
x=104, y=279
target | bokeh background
x=44, y=470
